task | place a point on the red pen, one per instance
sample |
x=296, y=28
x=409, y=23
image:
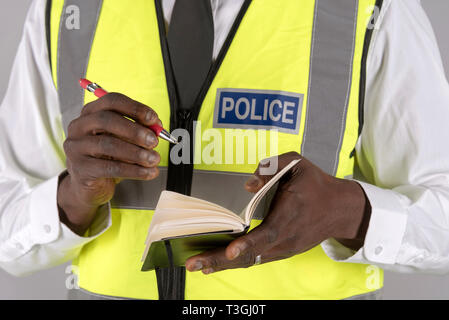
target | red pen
x=100, y=92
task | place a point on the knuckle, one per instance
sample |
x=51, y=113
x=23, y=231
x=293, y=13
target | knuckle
x=249, y=258
x=105, y=144
x=135, y=110
x=271, y=235
x=213, y=261
x=248, y=242
x=140, y=135
x=290, y=250
x=113, y=98
x=89, y=107
x=142, y=112
x=69, y=147
x=84, y=167
x=71, y=127
x=102, y=119
x=112, y=169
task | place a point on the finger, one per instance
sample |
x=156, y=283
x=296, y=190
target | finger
x=125, y=106
x=94, y=168
x=108, y=147
x=206, y=259
x=113, y=124
x=253, y=243
x=258, y=180
x=274, y=228
x=216, y=260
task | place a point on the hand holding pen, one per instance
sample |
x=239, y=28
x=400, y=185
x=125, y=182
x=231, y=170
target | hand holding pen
x=100, y=92
x=109, y=142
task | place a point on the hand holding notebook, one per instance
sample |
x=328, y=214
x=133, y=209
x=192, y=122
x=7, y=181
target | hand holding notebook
x=308, y=207
x=193, y=225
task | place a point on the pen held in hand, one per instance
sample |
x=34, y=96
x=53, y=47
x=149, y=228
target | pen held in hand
x=100, y=92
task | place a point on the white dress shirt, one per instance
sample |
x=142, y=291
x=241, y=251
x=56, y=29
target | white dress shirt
x=402, y=153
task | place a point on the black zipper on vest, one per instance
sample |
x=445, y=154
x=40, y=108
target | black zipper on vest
x=171, y=282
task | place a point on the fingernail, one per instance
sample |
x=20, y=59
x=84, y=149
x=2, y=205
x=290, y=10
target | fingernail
x=146, y=173
x=208, y=271
x=235, y=253
x=153, y=158
x=253, y=182
x=150, y=116
x=150, y=140
x=145, y=155
x=198, y=266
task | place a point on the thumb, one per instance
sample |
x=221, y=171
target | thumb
x=267, y=169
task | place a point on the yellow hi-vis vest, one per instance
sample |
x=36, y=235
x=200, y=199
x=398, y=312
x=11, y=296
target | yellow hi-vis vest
x=290, y=77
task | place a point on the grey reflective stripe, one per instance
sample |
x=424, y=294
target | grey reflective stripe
x=227, y=190
x=74, y=45
x=223, y=188
x=331, y=65
x=82, y=294
x=139, y=195
x=373, y=295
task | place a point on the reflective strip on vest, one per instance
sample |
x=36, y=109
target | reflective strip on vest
x=144, y=195
x=73, y=56
x=333, y=43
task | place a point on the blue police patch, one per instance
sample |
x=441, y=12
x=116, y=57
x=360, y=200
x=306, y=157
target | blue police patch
x=258, y=109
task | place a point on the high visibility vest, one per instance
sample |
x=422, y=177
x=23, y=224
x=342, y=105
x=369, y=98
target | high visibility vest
x=290, y=77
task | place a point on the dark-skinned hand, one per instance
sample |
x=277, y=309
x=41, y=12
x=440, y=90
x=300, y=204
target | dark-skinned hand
x=309, y=207
x=103, y=148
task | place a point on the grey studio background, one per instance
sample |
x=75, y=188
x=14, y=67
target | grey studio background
x=50, y=284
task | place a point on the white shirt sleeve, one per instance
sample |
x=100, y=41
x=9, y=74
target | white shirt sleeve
x=403, y=151
x=31, y=158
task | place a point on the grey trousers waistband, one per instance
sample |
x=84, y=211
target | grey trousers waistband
x=82, y=294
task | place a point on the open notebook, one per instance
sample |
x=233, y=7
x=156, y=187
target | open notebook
x=184, y=226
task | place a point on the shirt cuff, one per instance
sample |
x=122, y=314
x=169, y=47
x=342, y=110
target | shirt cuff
x=46, y=228
x=68, y=240
x=385, y=232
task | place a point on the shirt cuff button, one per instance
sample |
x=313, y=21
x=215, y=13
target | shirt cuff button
x=47, y=228
x=378, y=250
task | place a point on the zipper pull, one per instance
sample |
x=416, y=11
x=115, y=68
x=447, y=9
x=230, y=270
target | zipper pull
x=184, y=116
